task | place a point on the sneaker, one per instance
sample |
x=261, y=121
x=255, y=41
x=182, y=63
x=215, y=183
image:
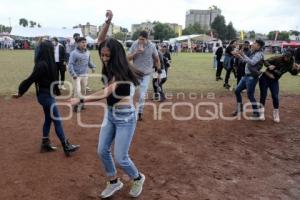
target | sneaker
x=63, y=87
x=111, y=189
x=137, y=187
x=262, y=114
x=276, y=115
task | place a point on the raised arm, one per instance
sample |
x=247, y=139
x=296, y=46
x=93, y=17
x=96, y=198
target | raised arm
x=105, y=27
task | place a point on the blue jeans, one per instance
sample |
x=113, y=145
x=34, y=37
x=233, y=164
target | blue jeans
x=118, y=125
x=51, y=115
x=264, y=83
x=249, y=83
x=143, y=91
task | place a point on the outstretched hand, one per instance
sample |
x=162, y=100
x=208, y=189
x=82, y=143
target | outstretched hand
x=74, y=101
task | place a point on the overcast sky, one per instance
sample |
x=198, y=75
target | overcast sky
x=259, y=15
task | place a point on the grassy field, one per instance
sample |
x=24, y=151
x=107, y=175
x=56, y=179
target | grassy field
x=189, y=72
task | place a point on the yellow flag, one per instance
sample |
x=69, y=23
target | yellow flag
x=242, y=35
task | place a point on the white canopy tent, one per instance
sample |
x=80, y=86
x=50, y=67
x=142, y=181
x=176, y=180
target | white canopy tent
x=201, y=37
x=90, y=40
x=40, y=32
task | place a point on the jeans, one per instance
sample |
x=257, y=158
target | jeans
x=51, y=115
x=143, y=91
x=249, y=83
x=119, y=126
x=264, y=83
x=240, y=72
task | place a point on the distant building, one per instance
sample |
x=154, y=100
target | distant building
x=88, y=29
x=294, y=37
x=202, y=17
x=149, y=26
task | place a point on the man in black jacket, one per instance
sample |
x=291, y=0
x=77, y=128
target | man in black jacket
x=60, y=58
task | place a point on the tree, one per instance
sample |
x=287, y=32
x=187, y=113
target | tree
x=283, y=35
x=294, y=32
x=219, y=27
x=124, y=30
x=32, y=24
x=252, y=34
x=120, y=36
x=4, y=28
x=193, y=29
x=163, y=32
x=23, y=22
x=39, y=26
x=230, y=32
x=135, y=35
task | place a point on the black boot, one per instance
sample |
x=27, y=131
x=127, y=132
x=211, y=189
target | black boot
x=69, y=148
x=46, y=146
x=140, y=117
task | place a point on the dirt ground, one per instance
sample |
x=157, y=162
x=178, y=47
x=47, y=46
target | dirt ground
x=182, y=160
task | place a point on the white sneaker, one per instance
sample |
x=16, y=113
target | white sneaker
x=111, y=189
x=137, y=186
x=262, y=114
x=276, y=117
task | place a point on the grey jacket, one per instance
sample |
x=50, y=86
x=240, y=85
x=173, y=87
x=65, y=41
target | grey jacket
x=79, y=62
x=254, y=63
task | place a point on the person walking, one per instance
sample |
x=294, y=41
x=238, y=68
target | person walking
x=79, y=62
x=45, y=77
x=143, y=52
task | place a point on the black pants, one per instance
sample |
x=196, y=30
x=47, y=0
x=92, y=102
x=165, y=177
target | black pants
x=219, y=68
x=240, y=72
x=61, y=67
x=266, y=83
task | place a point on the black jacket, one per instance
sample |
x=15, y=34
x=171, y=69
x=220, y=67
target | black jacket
x=281, y=66
x=43, y=78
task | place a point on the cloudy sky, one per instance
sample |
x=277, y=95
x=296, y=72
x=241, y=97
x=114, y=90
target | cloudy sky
x=259, y=15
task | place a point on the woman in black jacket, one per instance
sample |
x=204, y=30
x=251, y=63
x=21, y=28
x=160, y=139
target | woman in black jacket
x=276, y=67
x=45, y=77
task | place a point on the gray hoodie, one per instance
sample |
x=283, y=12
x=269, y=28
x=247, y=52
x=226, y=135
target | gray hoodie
x=79, y=62
x=254, y=63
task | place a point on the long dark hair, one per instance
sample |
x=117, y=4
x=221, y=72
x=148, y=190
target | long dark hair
x=118, y=66
x=45, y=57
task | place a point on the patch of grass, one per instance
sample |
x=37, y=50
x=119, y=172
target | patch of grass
x=189, y=72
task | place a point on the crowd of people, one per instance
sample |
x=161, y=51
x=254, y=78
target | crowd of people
x=246, y=63
x=122, y=72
